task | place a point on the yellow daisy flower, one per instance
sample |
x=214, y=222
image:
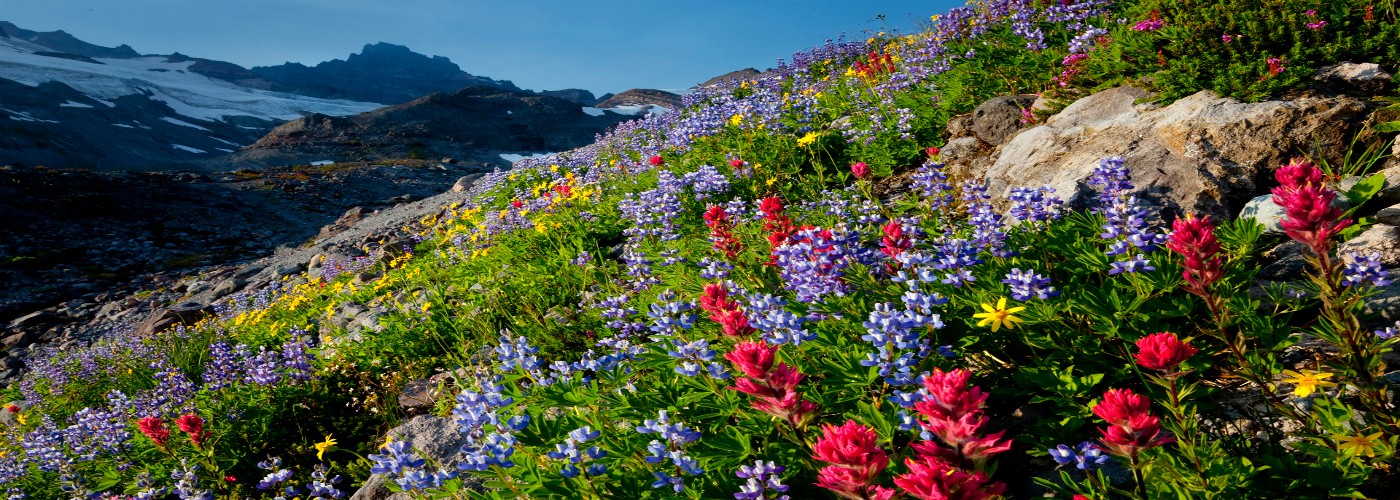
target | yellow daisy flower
x=999, y=316
x=321, y=447
x=1359, y=444
x=1308, y=381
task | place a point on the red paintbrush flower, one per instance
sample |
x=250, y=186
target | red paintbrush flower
x=1162, y=351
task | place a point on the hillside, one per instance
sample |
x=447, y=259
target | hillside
x=1080, y=249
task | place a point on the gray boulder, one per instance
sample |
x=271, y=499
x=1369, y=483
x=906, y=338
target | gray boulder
x=1202, y=154
x=999, y=118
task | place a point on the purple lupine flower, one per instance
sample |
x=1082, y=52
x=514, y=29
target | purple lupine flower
x=518, y=354
x=1034, y=204
x=473, y=413
x=262, y=369
x=694, y=355
x=760, y=478
x=898, y=346
x=706, y=181
x=1125, y=221
x=617, y=312
x=670, y=315
x=569, y=451
x=675, y=436
x=1087, y=457
x=1027, y=284
x=322, y=487
x=582, y=259
x=1389, y=332
x=187, y=482
x=96, y=432
x=1023, y=24
x=768, y=314
x=813, y=261
x=986, y=221
x=275, y=475
x=224, y=368
x=713, y=269
x=1365, y=269
x=296, y=360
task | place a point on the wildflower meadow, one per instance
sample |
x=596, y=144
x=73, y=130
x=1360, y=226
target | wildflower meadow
x=782, y=291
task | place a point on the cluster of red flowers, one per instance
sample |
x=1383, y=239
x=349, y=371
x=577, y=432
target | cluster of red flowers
x=154, y=428
x=856, y=462
x=1309, y=216
x=773, y=385
x=875, y=64
x=1163, y=352
x=715, y=300
x=191, y=424
x=656, y=161
x=1195, y=240
x=722, y=232
x=1132, y=428
x=778, y=225
x=952, y=466
x=860, y=170
x=894, y=243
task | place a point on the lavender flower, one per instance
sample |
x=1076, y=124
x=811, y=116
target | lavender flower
x=1125, y=221
x=676, y=435
x=1027, y=284
x=761, y=477
x=1365, y=269
x=1389, y=332
x=574, y=457
x=1088, y=456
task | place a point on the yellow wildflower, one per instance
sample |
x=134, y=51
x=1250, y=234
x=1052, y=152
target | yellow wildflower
x=1359, y=444
x=1308, y=381
x=23, y=420
x=772, y=180
x=736, y=119
x=999, y=316
x=808, y=139
x=321, y=447
x=387, y=439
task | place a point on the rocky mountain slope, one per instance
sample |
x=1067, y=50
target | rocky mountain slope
x=381, y=72
x=476, y=124
x=72, y=104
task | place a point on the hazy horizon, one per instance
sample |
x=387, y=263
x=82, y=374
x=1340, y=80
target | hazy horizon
x=539, y=45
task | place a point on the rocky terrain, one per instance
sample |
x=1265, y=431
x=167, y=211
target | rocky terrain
x=381, y=72
x=641, y=98
x=476, y=123
x=78, y=240
x=71, y=104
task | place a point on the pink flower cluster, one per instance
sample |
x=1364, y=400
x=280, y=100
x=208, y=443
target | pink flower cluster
x=1315, y=24
x=1132, y=428
x=856, y=462
x=951, y=467
x=722, y=232
x=725, y=311
x=773, y=385
x=1195, y=240
x=1309, y=216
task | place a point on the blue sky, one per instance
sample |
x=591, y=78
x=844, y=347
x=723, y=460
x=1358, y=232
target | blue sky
x=539, y=44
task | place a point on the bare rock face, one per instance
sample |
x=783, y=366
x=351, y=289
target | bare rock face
x=1203, y=154
x=998, y=119
x=1364, y=76
x=642, y=97
x=181, y=314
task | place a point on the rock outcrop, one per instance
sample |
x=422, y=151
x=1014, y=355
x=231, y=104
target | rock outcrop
x=642, y=98
x=1203, y=154
x=381, y=72
x=474, y=124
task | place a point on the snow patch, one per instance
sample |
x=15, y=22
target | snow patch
x=638, y=109
x=512, y=157
x=592, y=111
x=225, y=150
x=189, y=94
x=24, y=117
x=318, y=163
x=122, y=125
x=184, y=123
x=74, y=104
x=509, y=112
x=234, y=144
x=185, y=148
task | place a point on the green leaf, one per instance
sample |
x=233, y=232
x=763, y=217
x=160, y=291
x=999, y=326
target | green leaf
x=1388, y=127
x=1364, y=190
